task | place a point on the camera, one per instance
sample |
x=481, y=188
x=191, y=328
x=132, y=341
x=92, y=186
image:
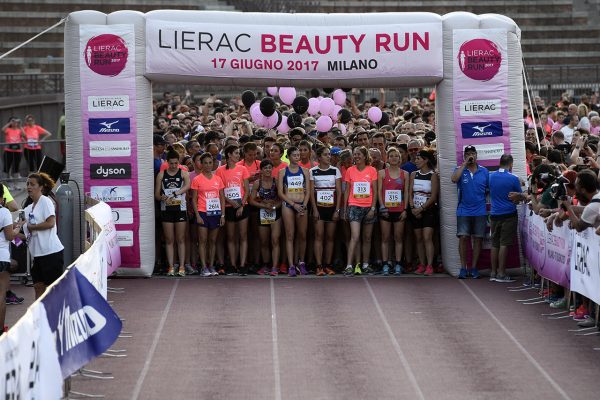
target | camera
x=21, y=215
x=558, y=190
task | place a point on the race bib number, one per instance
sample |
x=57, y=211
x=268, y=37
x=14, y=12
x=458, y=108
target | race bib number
x=233, y=193
x=325, y=198
x=419, y=200
x=393, y=198
x=173, y=199
x=32, y=142
x=267, y=217
x=295, y=184
x=361, y=190
x=213, y=207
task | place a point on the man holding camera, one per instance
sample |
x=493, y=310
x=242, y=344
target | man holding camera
x=586, y=187
x=471, y=213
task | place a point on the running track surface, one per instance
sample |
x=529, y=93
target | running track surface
x=339, y=338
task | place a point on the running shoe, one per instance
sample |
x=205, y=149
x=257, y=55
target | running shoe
x=348, y=271
x=428, y=271
x=357, y=270
x=504, y=279
x=492, y=277
x=213, y=271
x=191, y=269
x=386, y=269
x=283, y=268
x=292, y=271
x=220, y=269
x=274, y=271
x=474, y=273
x=181, y=271
x=329, y=270
x=420, y=269
x=206, y=272
x=560, y=303
x=320, y=271
x=439, y=269
x=587, y=323
x=409, y=268
x=12, y=298
x=398, y=269
x=463, y=274
x=171, y=271
x=302, y=268
x=243, y=271
x=263, y=270
x=581, y=314
x=366, y=269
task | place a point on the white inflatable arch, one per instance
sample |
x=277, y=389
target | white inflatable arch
x=111, y=61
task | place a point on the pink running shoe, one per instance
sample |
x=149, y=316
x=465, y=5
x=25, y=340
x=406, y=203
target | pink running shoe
x=420, y=269
x=428, y=271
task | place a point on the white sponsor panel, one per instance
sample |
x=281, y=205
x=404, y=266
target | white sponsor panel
x=489, y=151
x=585, y=264
x=476, y=108
x=111, y=193
x=122, y=216
x=115, y=148
x=324, y=51
x=109, y=103
x=125, y=238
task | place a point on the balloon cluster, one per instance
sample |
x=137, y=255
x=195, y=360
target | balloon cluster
x=332, y=113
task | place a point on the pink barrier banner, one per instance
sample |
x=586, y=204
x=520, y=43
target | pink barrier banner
x=549, y=253
x=480, y=92
x=315, y=52
x=108, y=104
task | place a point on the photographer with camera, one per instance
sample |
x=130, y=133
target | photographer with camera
x=471, y=213
x=542, y=179
x=588, y=214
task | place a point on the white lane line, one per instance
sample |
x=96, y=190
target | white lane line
x=396, y=345
x=161, y=324
x=276, y=371
x=532, y=360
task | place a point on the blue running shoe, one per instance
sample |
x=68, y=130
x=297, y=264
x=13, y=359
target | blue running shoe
x=462, y=274
x=386, y=269
x=398, y=269
x=474, y=273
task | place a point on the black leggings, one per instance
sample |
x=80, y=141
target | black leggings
x=34, y=159
x=11, y=159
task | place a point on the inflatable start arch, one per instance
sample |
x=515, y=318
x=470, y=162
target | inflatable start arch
x=111, y=61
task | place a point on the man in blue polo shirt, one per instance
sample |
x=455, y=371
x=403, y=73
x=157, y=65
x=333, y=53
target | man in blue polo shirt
x=505, y=190
x=471, y=213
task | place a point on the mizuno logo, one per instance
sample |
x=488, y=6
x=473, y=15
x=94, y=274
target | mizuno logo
x=75, y=328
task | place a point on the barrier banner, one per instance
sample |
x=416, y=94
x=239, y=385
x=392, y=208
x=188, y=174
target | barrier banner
x=480, y=92
x=93, y=264
x=585, y=264
x=549, y=253
x=321, y=52
x=29, y=366
x=109, y=126
x=82, y=322
x=106, y=217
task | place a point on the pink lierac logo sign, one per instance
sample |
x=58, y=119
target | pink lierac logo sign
x=479, y=59
x=106, y=54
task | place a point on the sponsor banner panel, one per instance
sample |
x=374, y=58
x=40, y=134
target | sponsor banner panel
x=322, y=52
x=585, y=264
x=108, y=102
x=83, y=324
x=480, y=93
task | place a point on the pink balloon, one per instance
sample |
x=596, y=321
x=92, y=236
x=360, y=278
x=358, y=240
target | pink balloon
x=272, y=91
x=283, y=126
x=324, y=123
x=326, y=106
x=374, y=114
x=313, y=105
x=271, y=122
x=334, y=113
x=287, y=95
x=339, y=97
x=257, y=116
x=342, y=128
x=254, y=106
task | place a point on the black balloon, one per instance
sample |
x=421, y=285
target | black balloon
x=347, y=89
x=314, y=93
x=294, y=120
x=344, y=115
x=300, y=104
x=385, y=118
x=267, y=106
x=248, y=98
x=279, y=118
x=328, y=90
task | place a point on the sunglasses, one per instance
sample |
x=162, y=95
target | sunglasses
x=413, y=150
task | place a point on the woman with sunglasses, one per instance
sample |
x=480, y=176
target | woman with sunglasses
x=423, y=197
x=326, y=198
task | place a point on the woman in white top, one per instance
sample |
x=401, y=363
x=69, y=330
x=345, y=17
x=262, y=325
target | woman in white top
x=7, y=233
x=40, y=229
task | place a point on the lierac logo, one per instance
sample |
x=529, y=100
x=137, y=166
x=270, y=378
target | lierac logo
x=110, y=171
